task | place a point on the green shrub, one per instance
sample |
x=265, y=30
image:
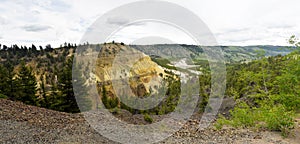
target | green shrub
x=114, y=110
x=275, y=118
x=148, y=118
x=3, y=96
x=221, y=121
x=278, y=119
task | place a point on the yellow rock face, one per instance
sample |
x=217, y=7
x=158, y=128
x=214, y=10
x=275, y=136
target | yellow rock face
x=118, y=62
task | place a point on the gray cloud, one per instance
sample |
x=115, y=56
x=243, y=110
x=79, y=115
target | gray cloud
x=122, y=21
x=281, y=26
x=230, y=31
x=245, y=39
x=237, y=30
x=138, y=24
x=117, y=21
x=36, y=28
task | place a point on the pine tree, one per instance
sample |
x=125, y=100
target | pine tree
x=10, y=82
x=26, y=85
x=66, y=88
x=4, y=80
x=44, y=102
x=55, y=99
x=81, y=91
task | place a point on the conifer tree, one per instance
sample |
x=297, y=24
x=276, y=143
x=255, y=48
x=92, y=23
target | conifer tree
x=54, y=100
x=26, y=85
x=45, y=100
x=65, y=86
x=10, y=82
x=4, y=80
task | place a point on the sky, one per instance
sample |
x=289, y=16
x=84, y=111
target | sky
x=232, y=22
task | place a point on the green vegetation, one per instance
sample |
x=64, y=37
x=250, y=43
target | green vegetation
x=25, y=84
x=148, y=118
x=65, y=85
x=167, y=105
x=41, y=77
x=267, y=92
x=164, y=63
x=276, y=118
x=20, y=86
x=2, y=96
x=205, y=87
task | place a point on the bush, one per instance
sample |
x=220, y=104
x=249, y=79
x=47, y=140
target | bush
x=221, y=121
x=242, y=116
x=278, y=119
x=275, y=118
x=3, y=96
x=148, y=118
x=114, y=110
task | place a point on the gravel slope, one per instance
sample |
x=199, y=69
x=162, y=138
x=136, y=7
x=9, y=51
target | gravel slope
x=21, y=123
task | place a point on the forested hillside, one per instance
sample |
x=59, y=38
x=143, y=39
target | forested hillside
x=266, y=92
x=264, y=85
x=38, y=77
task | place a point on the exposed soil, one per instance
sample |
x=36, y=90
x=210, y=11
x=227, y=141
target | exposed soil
x=21, y=123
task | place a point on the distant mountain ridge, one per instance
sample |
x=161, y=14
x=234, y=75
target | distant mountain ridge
x=231, y=53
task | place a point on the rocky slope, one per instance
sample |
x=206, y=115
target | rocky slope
x=124, y=62
x=117, y=65
x=21, y=123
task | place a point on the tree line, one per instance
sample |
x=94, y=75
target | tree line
x=30, y=77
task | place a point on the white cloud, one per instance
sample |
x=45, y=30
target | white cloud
x=150, y=29
x=234, y=22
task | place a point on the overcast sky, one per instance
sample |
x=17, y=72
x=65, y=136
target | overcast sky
x=233, y=22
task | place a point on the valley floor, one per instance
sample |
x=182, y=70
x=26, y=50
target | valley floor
x=21, y=123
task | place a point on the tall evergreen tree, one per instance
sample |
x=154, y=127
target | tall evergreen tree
x=65, y=86
x=45, y=100
x=4, y=80
x=54, y=100
x=10, y=82
x=33, y=48
x=26, y=85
